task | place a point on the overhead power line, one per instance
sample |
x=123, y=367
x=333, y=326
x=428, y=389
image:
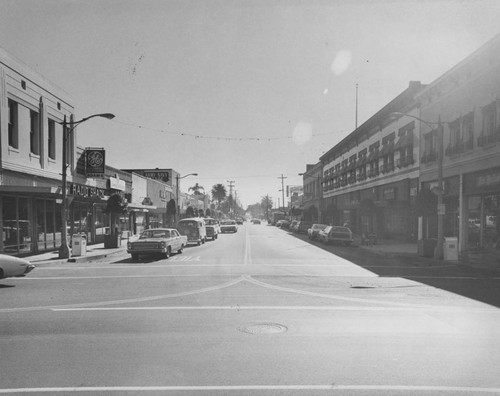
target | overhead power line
x=222, y=138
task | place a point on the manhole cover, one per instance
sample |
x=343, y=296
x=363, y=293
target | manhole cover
x=263, y=328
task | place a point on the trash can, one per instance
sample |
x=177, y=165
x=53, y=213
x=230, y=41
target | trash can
x=79, y=245
x=450, y=249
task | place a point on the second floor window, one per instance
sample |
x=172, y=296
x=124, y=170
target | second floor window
x=455, y=134
x=489, y=119
x=34, y=133
x=13, y=125
x=430, y=144
x=52, y=139
x=468, y=130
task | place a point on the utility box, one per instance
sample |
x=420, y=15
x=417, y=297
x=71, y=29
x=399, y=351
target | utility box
x=79, y=245
x=450, y=252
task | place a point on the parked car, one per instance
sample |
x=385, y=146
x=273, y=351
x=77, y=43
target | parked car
x=157, y=241
x=303, y=226
x=314, y=230
x=256, y=221
x=228, y=226
x=213, y=228
x=239, y=220
x=283, y=224
x=194, y=228
x=293, y=225
x=14, y=266
x=336, y=234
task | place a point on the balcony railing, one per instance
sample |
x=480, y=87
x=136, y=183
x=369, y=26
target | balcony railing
x=429, y=157
x=484, y=140
x=373, y=173
x=403, y=162
x=386, y=168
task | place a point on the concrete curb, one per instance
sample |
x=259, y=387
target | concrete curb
x=76, y=259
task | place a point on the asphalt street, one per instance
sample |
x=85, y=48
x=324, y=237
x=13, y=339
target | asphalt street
x=258, y=312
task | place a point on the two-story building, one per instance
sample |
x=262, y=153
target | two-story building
x=370, y=178
x=466, y=101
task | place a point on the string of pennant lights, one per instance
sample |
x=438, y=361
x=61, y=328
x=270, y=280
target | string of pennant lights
x=223, y=138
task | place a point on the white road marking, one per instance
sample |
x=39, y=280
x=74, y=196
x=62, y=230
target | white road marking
x=205, y=388
x=263, y=307
x=128, y=301
x=248, y=252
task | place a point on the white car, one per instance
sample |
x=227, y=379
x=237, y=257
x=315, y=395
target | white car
x=228, y=226
x=14, y=266
x=162, y=241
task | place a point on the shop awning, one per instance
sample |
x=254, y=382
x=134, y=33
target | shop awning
x=373, y=155
x=41, y=192
x=387, y=148
x=404, y=141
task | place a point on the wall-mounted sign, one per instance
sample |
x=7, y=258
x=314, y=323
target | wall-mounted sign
x=83, y=191
x=116, y=184
x=95, y=162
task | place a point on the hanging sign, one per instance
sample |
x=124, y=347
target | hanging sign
x=94, y=162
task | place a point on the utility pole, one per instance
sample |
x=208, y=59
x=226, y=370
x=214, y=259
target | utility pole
x=267, y=208
x=231, y=184
x=283, y=188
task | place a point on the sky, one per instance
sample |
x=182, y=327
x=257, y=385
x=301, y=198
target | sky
x=237, y=91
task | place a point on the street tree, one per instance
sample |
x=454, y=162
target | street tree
x=219, y=193
x=197, y=189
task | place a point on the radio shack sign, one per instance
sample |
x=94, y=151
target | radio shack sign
x=95, y=162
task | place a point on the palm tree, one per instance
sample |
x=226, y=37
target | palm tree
x=219, y=193
x=196, y=189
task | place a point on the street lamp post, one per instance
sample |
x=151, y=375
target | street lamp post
x=64, y=248
x=177, y=178
x=438, y=252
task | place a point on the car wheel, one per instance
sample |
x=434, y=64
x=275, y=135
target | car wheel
x=199, y=243
x=135, y=256
x=167, y=253
x=181, y=249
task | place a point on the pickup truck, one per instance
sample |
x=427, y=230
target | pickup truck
x=157, y=241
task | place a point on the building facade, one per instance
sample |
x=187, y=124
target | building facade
x=31, y=112
x=466, y=101
x=370, y=178
x=312, y=193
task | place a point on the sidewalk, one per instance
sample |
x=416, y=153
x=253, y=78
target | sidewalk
x=94, y=252
x=395, y=248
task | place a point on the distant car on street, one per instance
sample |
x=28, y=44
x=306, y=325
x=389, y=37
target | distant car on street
x=303, y=226
x=283, y=224
x=336, y=234
x=157, y=241
x=228, y=226
x=213, y=228
x=256, y=221
x=194, y=228
x=14, y=266
x=313, y=231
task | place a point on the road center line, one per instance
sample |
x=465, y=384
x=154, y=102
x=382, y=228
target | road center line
x=248, y=252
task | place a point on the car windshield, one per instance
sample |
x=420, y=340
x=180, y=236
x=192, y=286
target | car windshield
x=155, y=234
x=319, y=226
x=228, y=222
x=210, y=222
x=188, y=223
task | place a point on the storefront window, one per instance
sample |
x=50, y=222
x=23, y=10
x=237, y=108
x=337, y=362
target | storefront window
x=101, y=223
x=10, y=225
